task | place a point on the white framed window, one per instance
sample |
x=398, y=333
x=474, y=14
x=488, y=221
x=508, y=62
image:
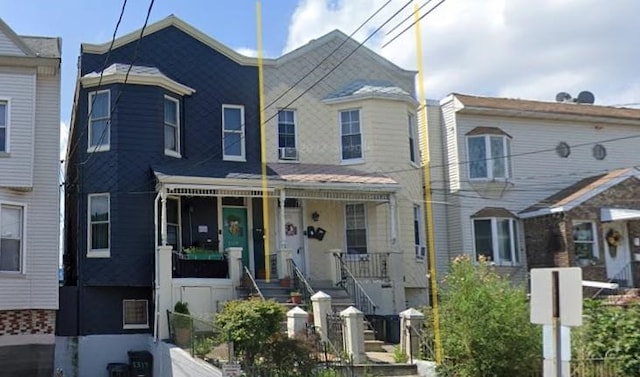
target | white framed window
x=585, y=243
x=287, y=135
x=99, y=226
x=12, y=224
x=489, y=157
x=496, y=239
x=135, y=314
x=233, y=147
x=171, y=126
x=99, y=120
x=413, y=138
x=4, y=126
x=173, y=223
x=418, y=232
x=356, y=228
x=350, y=136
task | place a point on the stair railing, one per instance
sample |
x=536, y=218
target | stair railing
x=624, y=278
x=299, y=282
x=361, y=299
x=251, y=285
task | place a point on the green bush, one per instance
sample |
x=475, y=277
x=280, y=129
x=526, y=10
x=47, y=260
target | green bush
x=484, y=322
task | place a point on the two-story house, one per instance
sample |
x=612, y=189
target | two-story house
x=536, y=184
x=165, y=125
x=29, y=210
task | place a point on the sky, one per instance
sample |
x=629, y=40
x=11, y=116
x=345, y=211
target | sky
x=530, y=49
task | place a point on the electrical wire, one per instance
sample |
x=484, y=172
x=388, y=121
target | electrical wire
x=415, y=22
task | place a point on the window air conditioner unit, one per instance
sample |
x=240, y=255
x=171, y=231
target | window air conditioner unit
x=288, y=153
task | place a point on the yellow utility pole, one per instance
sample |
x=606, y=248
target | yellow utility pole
x=426, y=161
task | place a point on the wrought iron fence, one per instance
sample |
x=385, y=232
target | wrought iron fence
x=422, y=345
x=299, y=282
x=348, y=281
x=335, y=333
x=606, y=367
x=249, y=283
x=366, y=266
x=198, y=337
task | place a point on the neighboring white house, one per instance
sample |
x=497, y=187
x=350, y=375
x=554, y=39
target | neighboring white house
x=501, y=157
x=340, y=121
x=29, y=211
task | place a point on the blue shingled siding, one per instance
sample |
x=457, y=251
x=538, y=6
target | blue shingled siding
x=136, y=145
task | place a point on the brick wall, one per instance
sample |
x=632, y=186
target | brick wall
x=23, y=322
x=546, y=241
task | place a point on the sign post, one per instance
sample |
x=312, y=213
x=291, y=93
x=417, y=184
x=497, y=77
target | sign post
x=556, y=300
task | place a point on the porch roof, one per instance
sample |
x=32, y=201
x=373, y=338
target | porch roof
x=579, y=192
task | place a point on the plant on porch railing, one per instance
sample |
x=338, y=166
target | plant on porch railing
x=361, y=299
x=248, y=282
x=300, y=283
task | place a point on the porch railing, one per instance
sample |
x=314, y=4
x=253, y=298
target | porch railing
x=366, y=266
x=273, y=266
x=348, y=281
x=249, y=283
x=624, y=278
x=299, y=282
x=200, y=268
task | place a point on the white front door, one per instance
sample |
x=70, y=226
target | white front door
x=293, y=233
x=617, y=257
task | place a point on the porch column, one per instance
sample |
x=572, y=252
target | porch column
x=282, y=234
x=236, y=269
x=393, y=212
x=164, y=290
x=283, y=263
x=334, y=268
x=163, y=217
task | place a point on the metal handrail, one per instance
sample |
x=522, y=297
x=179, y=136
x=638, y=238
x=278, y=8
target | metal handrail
x=425, y=344
x=358, y=290
x=624, y=274
x=255, y=287
x=298, y=277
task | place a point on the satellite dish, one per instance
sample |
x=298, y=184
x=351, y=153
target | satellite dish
x=586, y=97
x=563, y=97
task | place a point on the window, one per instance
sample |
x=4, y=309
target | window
x=356, y=228
x=584, y=239
x=489, y=157
x=351, y=135
x=418, y=232
x=413, y=137
x=287, y=135
x=4, y=123
x=171, y=127
x=496, y=239
x=99, y=217
x=11, y=237
x=233, y=132
x=99, y=121
x=173, y=223
x=135, y=314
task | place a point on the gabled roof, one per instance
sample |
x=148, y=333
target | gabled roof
x=15, y=38
x=579, y=192
x=169, y=21
x=542, y=109
x=46, y=47
x=140, y=75
x=364, y=89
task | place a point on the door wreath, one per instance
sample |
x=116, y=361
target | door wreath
x=614, y=239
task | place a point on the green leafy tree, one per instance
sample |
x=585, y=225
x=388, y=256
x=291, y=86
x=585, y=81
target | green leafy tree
x=485, y=328
x=249, y=324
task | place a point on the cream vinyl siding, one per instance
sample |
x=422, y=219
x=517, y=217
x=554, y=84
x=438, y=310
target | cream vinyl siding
x=8, y=47
x=38, y=287
x=18, y=87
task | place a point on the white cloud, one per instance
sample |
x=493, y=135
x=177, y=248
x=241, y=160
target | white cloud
x=247, y=51
x=498, y=47
x=64, y=138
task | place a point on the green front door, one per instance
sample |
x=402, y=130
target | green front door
x=236, y=230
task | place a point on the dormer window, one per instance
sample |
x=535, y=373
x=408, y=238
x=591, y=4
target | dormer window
x=489, y=154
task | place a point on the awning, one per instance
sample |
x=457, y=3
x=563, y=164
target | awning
x=616, y=214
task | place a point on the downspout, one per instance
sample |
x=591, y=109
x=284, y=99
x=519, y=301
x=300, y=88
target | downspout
x=156, y=293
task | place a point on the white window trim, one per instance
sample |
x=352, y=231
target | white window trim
x=242, y=156
x=366, y=228
x=295, y=132
x=170, y=152
x=487, y=150
x=103, y=147
x=413, y=139
x=97, y=253
x=513, y=225
x=179, y=224
x=7, y=135
x=351, y=161
x=594, y=231
x=421, y=230
x=23, y=251
x=137, y=326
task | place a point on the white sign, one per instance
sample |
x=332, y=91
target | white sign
x=570, y=296
x=203, y=229
x=231, y=370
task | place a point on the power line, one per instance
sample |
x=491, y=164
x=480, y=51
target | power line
x=406, y=18
x=415, y=22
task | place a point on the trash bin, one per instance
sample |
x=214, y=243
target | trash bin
x=141, y=363
x=118, y=370
x=392, y=327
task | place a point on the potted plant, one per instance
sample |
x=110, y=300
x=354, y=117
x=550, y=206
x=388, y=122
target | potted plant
x=182, y=324
x=296, y=297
